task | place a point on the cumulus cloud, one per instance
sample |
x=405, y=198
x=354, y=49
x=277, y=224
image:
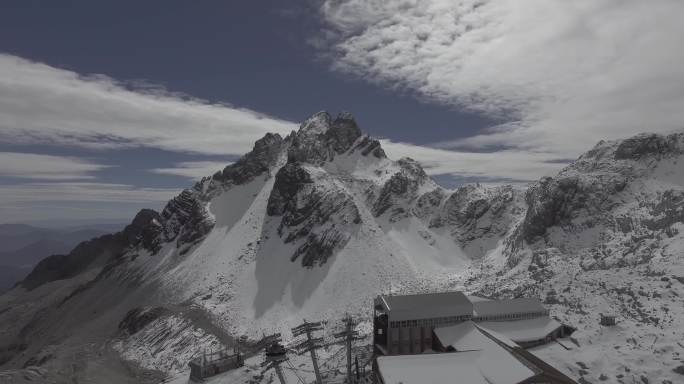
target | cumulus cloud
x=40, y=104
x=46, y=167
x=193, y=169
x=561, y=74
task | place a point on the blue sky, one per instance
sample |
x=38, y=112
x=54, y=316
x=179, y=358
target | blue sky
x=107, y=107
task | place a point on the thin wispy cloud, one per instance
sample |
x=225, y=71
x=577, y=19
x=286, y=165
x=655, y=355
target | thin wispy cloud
x=508, y=165
x=46, y=167
x=195, y=170
x=40, y=104
x=562, y=74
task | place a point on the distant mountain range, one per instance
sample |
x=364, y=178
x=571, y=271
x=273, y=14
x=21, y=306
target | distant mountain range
x=22, y=246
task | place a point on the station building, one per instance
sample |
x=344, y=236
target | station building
x=405, y=324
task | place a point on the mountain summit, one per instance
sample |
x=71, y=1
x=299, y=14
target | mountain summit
x=319, y=222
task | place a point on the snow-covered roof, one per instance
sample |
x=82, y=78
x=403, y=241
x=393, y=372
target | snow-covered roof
x=462, y=337
x=427, y=305
x=490, y=365
x=522, y=330
x=475, y=298
x=507, y=306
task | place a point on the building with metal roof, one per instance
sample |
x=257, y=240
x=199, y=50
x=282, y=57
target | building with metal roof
x=469, y=354
x=426, y=306
x=404, y=324
x=508, y=309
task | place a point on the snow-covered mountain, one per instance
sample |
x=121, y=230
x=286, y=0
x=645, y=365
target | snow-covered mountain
x=316, y=224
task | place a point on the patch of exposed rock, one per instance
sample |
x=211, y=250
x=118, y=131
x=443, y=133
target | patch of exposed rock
x=316, y=213
x=137, y=318
x=402, y=187
x=320, y=138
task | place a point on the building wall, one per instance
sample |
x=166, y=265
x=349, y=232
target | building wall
x=415, y=336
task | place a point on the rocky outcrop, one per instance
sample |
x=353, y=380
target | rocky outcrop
x=428, y=206
x=186, y=219
x=557, y=201
x=261, y=159
x=473, y=212
x=320, y=138
x=137, y=318
x=315, y=213
x=58, y=267
x=647, y=145
x=143, y=232
x=400, y=189
x=369, y=146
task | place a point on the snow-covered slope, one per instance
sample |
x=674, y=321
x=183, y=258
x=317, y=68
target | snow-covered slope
x=606, y=235
x=316, y=224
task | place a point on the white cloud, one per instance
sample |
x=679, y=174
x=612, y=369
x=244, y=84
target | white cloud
x=193, y=169
x=46, y=105
x=565, y=73
x=46, y=167
x=511, y=165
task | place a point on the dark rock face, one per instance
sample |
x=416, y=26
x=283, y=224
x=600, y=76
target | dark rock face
x=666, y=211
x=144, y=230
x=320, y=138
x=186, y=218
x=463, y=208
x=403, y=185
x=645, y=145
x=370, y=146
x=427, y=206
x=477, y=217
x=468, y=204
x=316, y=215
x=59, y=267
x=343, y=133
x=137, y=318
x=263, y=156
x=555, y=201
x=289, y=181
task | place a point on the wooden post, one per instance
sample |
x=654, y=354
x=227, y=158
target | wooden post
x=310, y=344
x=279, y=372
x=314, y=358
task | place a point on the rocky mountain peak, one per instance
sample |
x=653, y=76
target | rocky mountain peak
x=320, y=138
x=648, y=144
x=263, y=156
x=343, y=132
x=317, y=124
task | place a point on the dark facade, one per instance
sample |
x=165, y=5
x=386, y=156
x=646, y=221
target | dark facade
x=404, y=324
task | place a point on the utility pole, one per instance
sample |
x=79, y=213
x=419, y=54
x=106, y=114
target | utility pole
x=310, y=344
x=349, y=334
x=279, y=372
x=271, y=346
